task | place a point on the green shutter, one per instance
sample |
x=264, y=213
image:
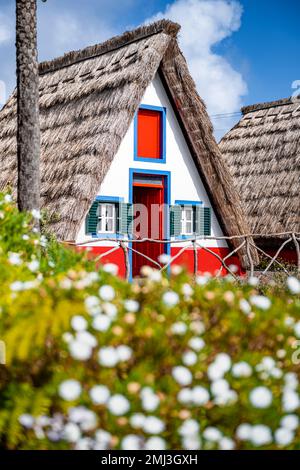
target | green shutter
x=203, y=221
x=175, y=221
x=207, y=221
x=126, y=218
x=92, y=219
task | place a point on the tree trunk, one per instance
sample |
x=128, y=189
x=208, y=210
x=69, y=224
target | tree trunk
x=28, y=134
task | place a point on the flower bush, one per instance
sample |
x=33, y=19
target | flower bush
x=93, y=362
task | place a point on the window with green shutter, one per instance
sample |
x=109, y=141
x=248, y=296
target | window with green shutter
x=104, y=216
x=188, y=219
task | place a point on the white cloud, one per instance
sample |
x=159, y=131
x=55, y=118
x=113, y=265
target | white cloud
x=204, y=24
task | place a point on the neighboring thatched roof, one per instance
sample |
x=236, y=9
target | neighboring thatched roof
x=88, y=99
x=263, y=153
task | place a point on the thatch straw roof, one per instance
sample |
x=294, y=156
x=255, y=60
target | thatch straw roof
x=88, y=99
x=263, y=153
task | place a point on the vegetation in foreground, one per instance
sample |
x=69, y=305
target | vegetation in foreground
x=93, y=362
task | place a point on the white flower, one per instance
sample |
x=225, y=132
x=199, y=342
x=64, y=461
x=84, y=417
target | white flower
x=261, y=397
x=189, y=358
x=261, y=435
x=200, y=395
x=89, y=421
x=197, y=327
x=33, y=265
x=182, y=375
x=118, y=405
x=244, y=432
x=78, y=323
x=290, y=401
x=101, y=322
x=155, y=443
x=219, y=387
x=26, y=420
x=99, y=394
x=92, y=305
x=111, y=268
x=196, y=343
x=103, y=437
x=212, y=434
x=293, y=285
x=284, y=436
x=87, y=338
x=241, y=369
x=260, y=301
x=150, y=401
x=226, y=444
x=69, y=390
x=179, y=328
x=8, y=198
x=131, y=305
x=192, y=442
x=226, y=398
x=219, y=366
x=164, y=258
x=189, y=427
x=131, y=442
x=245, y=306
x=137, y=420
x=110, y=310
x=176, y=269
x=85, y=443
x=153, y=425
x=124, y=352
x=108, y=356
x=290, y=422
x=253, y=281
x=297, y=329
x=202, y=280
x=14, y=259
x=291, y=380
x=80, y=350
x=185, y=395
x=170, y=299
x=187, y=290
x=71, y=432
x=154, y=275
x=36, y=214
x=107, y=293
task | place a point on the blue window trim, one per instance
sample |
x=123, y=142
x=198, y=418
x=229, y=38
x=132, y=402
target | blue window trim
x=115, y=199
x=167, y=197
x=187, y=203
x=163, y=112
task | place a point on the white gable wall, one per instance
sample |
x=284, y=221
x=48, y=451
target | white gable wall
x=186, y=183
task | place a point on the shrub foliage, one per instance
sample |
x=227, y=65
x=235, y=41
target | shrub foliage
x=93, y=362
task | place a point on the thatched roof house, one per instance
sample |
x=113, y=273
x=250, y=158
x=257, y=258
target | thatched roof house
x=88, y=99
x=263, y=153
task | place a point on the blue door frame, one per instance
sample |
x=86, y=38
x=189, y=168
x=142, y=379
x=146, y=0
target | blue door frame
x=167, y=200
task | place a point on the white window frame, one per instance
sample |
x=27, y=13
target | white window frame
x=184, y=221
x=103, y=218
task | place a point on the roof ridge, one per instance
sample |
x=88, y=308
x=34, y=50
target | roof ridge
x=72, y=57
x=266, y=105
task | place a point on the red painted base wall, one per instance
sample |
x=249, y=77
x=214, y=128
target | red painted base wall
x=206, y=261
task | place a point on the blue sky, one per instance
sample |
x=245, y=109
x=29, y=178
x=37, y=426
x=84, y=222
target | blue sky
x=239, y=51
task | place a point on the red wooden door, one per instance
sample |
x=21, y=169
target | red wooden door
x=148, y=223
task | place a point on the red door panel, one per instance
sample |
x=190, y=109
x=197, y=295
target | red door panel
x=150, y=198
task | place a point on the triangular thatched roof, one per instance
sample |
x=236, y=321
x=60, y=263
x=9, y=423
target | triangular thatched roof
x=263, y=153
x=88, y=99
